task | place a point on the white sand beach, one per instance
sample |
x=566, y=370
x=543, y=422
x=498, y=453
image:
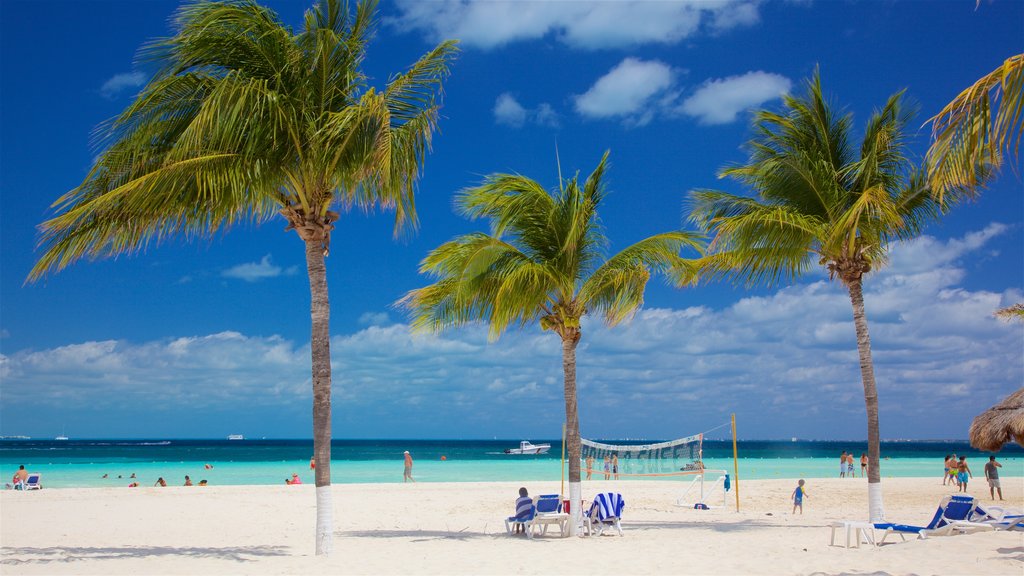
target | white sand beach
x=457, y=528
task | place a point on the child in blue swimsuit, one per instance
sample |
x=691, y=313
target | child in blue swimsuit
x=798, y=497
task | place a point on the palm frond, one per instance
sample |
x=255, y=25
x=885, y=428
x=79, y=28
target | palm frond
x=976, y=131
x=616, y=287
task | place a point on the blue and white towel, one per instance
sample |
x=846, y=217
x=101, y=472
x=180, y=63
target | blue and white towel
x=608, y=505
x=524, y=508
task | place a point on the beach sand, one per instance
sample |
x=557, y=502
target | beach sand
x=457, y=528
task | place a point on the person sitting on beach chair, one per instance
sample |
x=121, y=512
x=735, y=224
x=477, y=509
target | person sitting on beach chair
x=524, y=509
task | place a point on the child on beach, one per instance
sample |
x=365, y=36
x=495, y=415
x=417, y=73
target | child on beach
x=798, y=497
x=523, y=506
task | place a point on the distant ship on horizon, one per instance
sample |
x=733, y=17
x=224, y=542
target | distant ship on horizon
x=236, y=437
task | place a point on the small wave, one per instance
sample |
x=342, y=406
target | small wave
x=163, y=443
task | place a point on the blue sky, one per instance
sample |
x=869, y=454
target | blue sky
x=211, y=338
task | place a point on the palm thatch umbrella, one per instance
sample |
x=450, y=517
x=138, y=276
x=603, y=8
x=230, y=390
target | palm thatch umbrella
x=1000, y=424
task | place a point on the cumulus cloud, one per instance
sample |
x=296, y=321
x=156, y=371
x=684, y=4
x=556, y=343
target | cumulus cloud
x=785, y=362
x=256, y=271
x=636, y=91
x=581, y=24
x=719, y=101
x=627, y=91
x=508, y=111
x=118, y=83
x=374, y=319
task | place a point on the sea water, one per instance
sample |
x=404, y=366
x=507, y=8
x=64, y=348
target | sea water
x=84, y=463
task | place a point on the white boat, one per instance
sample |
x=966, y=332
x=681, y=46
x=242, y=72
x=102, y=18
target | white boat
x=525, y=447
x=61, y=437
x=236, y=437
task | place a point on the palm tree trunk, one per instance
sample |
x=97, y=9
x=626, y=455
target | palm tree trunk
x=320, y=345
x=572, y=429
x=876, y=509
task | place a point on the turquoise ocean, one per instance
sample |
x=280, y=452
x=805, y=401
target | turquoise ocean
x=83, y=463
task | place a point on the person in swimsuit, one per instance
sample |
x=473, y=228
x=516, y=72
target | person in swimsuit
x=863, y=464
x=798, y=497
x=945, y=469
x=607, y=467
x=963, y=472
x=160, y=482
x=407, y=476
x=590, y=465
x=849, y=465
x=615, y=464
x=842, y=464
x=188, y=481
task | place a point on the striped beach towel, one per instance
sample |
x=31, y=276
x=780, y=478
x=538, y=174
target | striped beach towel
x=608, y=505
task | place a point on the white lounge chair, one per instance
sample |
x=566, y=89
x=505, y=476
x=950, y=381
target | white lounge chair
x=525, y=521
x=953, y=516
x=605, y=511
x=33, y=481
x=549, y=511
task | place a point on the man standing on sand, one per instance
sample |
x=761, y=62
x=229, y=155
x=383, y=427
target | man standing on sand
x=408, y=468
x=992, y=475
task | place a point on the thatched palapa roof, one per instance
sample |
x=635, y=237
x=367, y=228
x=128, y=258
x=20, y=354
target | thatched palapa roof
x=1000, y=424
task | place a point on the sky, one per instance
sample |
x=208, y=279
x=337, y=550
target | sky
x=209, y=338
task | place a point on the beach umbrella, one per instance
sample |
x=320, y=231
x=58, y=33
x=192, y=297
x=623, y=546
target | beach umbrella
x=1000, y=424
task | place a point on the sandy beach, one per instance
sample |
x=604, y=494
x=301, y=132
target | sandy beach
x=457, y=528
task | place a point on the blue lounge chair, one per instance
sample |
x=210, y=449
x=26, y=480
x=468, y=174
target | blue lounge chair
x=605, y=511
x=33, y=482
x=549, y=511
x=526, y=521
x=953, y=516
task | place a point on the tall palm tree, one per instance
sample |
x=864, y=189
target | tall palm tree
x=245, y=120
x=820, y=199
x=975, y=132
x=543, y=262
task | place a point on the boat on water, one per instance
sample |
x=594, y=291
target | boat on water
x=61, y=437
x=525, y=447
x=236, y=437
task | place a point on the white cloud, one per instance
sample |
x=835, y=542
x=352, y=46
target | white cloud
x=719, y=101
x=785, y=362
x=637, y=91
x=508, y=111
x=629, y=90
x=374, y=319
x=118, y=83
x=580, y=24
x=255, y=271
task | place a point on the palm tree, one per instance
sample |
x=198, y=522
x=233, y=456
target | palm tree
x=976, y=130
x=818, y=198
x=245, y=120
x=542, y=262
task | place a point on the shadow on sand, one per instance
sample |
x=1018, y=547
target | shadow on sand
x=28, y=555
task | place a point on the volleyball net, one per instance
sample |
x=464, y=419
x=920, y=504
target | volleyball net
x=678, y=457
